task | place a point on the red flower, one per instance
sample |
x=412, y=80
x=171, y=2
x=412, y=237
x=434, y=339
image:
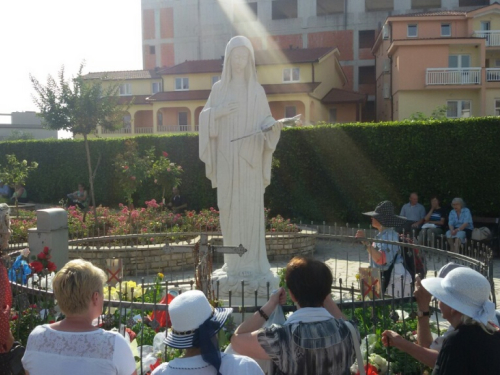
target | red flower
x=165, y=154
x=125, y=167
x=36, y=266
x=46, y=249
x=158, y=363
x=370, y=370
x=131, y=334
x=51, y=267
x=42, y=255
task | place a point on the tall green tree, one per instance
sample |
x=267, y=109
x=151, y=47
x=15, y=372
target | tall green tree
x=79, y=106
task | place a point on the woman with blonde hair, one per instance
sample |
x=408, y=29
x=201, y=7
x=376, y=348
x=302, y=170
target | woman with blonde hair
x=74, y=345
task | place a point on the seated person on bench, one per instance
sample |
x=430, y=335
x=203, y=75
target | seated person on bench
x=78, y=198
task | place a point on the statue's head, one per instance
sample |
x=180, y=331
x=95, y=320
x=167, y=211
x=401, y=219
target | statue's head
x=239, y=57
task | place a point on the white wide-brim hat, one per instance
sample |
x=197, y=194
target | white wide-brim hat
x=187, y=312
x=465, y=291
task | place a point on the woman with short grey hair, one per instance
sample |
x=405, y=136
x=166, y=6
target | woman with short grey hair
x=460, y=224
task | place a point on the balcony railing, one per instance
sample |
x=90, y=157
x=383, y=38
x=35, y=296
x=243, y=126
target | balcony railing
x=453, y=76
x=173, y=128
x=492, y=74
x=144, y=130
x=116, y=131
x=492, y=37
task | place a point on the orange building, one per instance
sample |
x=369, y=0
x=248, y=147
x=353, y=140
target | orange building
x=310, y=82
x=447, y=59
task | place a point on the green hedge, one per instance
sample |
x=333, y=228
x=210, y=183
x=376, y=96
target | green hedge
x=330, y=173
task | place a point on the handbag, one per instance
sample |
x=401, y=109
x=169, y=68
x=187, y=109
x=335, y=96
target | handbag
x=357, y=347
x=11, y=361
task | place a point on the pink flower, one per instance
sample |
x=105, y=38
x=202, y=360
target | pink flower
x=132, y=178
x=165, y=154
x=168, y=169
x=120, y=205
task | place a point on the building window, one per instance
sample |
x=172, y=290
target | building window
x=425, y=4
x=245, y=12
x=284, y=9
x=366, y=75
x=327, y=7
x=155, y=87
x=159, y=118
x=378, y=5
x=125, y=89
x=181, y=84
x=152, y=50
x=291, y=75
x=458, y=108
x=412, y=31
x=470, y=3
x=366, y=38
x=445, y=29
x=332, y=115
x=497, y=107
x=215, y=79
x=290, y=111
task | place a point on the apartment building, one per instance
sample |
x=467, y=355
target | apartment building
x=174, y=31
x=306, y=81
x=446, y=58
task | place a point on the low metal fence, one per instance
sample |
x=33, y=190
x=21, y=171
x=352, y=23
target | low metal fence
x=34, y=303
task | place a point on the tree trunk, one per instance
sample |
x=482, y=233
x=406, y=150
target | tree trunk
x=91, y=179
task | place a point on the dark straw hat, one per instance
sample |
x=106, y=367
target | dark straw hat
x=384, y=213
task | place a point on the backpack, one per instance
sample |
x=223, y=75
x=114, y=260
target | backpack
x=413, y=261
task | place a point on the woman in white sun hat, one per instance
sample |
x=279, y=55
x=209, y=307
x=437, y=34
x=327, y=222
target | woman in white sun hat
x=195, y=324
x=473, y=347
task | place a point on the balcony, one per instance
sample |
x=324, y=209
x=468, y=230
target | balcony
x=492, y=74
x=116, y=131
x=453, y=76
x=143, y=130
x=492, y=37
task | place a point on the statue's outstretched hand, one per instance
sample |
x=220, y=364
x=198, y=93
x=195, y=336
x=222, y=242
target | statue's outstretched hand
x=225, y=109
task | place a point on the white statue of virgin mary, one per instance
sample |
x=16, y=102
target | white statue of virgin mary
x=240, y=170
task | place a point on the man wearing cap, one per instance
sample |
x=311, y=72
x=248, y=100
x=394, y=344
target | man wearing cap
x=195, y=324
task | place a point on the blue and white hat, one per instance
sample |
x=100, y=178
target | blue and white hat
x=188, y=312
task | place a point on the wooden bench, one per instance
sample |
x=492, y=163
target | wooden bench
x=493, y=224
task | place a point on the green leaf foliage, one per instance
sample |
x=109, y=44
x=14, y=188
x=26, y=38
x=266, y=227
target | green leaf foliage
x=331, y=172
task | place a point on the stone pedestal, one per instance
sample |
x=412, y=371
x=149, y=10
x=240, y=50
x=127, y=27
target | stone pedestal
x=51, y=231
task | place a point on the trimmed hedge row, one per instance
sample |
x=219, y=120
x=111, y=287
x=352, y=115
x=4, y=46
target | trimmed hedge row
x=331, y=172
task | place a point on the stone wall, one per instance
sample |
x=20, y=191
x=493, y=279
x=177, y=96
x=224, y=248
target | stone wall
x=149, y=260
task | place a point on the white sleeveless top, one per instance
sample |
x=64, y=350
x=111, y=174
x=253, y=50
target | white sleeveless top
x=97, y=352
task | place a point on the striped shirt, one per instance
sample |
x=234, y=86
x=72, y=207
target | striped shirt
x=323, y=347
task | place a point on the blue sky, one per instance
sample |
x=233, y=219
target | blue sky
x=38, y=37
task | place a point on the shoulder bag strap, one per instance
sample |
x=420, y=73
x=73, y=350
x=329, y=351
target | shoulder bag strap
x=359, y=357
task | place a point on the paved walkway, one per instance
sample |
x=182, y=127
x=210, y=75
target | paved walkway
x=344, y=259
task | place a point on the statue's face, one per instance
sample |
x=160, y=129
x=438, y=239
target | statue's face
x=239, y=59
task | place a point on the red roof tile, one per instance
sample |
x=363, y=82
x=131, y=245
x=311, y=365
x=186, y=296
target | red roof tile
x=195, y=66
x=263, y=57
x=293, y=56
x=290, y=88
x=134, y=99
x=343, y=96
x=180, y=95
x=122, y=75
x=429, y=14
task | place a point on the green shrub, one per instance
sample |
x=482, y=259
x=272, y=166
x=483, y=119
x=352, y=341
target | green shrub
x=329, y=173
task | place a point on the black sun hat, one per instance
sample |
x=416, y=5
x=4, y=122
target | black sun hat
x=384, y=213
